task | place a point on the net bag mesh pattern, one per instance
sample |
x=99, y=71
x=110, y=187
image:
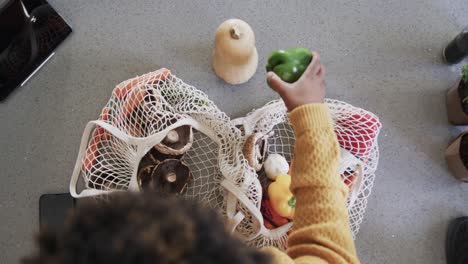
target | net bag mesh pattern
x=141, y=112
x=357, y=131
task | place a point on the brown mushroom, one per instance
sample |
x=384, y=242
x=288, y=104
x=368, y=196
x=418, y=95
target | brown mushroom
x=170, y=176
x=151, y=159
x=177, y=141
x=255, y=149
x=158, y=156
x=144, y=176
x=148, y=159
x=154, y=157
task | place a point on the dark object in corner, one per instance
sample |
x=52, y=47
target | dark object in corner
x=30, y=30
x=456, y=244
x=53, y=210
x=457, y=49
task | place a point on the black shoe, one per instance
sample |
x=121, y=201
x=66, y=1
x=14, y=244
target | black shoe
x=456, y=245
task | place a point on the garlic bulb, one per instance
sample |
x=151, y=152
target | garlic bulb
x=275, y=165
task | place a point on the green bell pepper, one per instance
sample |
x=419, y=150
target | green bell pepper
x=289, y=64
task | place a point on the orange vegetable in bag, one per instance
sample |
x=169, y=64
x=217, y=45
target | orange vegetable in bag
x=122, y=89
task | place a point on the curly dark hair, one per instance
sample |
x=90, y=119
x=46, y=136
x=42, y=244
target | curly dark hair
x=143, y=229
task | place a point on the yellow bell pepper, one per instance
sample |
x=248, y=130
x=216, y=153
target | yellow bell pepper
x=281, y=198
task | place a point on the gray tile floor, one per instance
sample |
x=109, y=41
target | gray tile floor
x=381, y=55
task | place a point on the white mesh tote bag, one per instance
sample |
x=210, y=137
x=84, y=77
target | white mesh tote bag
x=357, y=131
x=158, y=133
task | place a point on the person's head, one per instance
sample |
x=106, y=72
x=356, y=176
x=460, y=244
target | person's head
x=143, y=229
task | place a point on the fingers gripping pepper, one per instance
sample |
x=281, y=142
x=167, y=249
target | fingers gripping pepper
x=281, y=198
x=289, y=64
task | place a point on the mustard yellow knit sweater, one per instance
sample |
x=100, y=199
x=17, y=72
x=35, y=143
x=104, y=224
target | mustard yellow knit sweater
x=321, y=232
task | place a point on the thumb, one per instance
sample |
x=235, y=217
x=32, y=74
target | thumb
x=275, y=83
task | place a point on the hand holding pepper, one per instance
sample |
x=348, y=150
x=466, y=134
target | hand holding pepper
x=289, y=64
x=310, y=88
